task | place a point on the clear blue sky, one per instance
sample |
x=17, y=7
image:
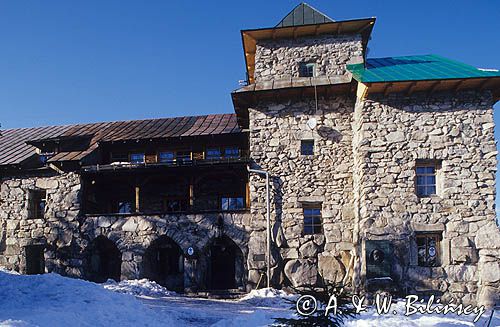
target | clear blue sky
x=84, y=61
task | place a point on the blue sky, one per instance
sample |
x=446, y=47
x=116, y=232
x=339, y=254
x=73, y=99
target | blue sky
x=67, y=62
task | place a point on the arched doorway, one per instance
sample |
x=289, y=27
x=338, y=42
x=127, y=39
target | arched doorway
x=164, y=263
x=225, y=265
x=105, y=261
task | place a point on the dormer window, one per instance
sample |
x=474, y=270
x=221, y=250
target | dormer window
x=307, y=69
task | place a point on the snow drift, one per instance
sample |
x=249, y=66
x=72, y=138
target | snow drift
x=53, y=300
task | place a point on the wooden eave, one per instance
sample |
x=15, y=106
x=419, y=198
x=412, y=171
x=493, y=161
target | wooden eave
x=432, y=86
x=246, y=99
x=250, y=37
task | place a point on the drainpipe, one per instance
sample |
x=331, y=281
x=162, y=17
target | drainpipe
x=268, y=219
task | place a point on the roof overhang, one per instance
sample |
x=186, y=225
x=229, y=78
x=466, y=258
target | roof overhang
x=284, y=90
x=411, y=86
x=250, y=37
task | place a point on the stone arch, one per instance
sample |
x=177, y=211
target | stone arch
x=225, y=264
x=104, y=260
x=163, y=262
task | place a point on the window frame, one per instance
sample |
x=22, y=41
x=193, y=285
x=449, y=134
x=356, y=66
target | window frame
x=208, y=148
x=229, y=199
x=166, y=161
x=137, y=153
x=428, y=237
x=234, y=147
x=37, y=197
x=309, y=68
x=302, y=147
x=436, y=165
x=315, y=226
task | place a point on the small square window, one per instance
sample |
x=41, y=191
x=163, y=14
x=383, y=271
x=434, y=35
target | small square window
x=213, y=153
x=428, y=252
x=166, y=157
x=137, y=158
x=426, y=173
x=312, y=219
x=307, y=69
x=307, y=147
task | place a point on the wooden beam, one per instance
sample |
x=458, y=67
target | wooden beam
x=316, y=30
x=247, y=195
x=137, y=199
x=191, y=192
x=295, y=29
x=434, y=87
x=482, y=86
x=387, y=88
x=411, y=88
x=457, y=87
x=362, y=91
x=365, y=27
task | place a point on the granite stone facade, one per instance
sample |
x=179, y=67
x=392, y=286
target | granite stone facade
x=361, y=175
x=280, y=59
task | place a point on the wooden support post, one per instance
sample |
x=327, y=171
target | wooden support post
x=191, y=192
x=247, y=194
x=137, y=199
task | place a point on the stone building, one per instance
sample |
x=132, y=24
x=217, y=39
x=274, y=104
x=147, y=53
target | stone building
x=382, y=176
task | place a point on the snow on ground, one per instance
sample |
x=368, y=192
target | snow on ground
x=53, y=300
x=138, y=287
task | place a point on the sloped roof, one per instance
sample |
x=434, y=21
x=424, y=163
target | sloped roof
x=14, y=148
x=415, y=68
x=304, y=14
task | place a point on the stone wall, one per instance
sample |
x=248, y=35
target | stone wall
x=279, y=59
x=58, y=230
x=276, y=131
x=68, y=235
x=391, y=133
x=133, y=234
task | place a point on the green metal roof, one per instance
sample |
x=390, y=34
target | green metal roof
x=304, y=14
x=415, y=68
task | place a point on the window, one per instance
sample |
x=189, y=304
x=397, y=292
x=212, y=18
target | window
x=426, y=178
x=124, y=207
x=213, y=153
x=428, y=249
x=166, y=157
x=231, y=152
x=312, y=219
x=176, y=205
x=137, y=157
x=229, y=203
x=37, y=203
x=307, y=147
x=45, y=156
x=307, y=69
x=183, y=156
